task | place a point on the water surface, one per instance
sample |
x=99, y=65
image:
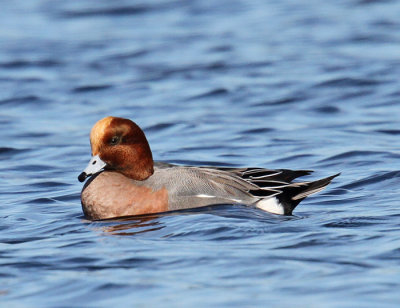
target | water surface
x=283, y=84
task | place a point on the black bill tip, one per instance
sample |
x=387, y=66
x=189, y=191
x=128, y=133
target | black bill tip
x=82, y=177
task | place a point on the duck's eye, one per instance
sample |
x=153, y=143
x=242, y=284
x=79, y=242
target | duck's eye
x=114, y=140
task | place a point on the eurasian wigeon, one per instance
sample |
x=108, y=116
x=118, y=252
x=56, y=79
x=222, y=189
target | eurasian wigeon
x=125, y=180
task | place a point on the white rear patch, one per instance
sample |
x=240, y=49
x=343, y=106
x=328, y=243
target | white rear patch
x=271, y=205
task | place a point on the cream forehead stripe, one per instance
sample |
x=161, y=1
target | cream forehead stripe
x=97, y=132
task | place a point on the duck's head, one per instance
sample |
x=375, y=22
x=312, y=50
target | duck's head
x=119, y=144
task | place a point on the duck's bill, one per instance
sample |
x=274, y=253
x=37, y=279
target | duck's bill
x=95, y=165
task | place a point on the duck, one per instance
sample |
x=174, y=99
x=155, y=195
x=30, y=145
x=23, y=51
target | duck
x=122, y=179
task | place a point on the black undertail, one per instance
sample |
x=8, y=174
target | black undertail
x=294, y=193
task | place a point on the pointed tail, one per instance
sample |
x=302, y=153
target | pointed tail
x=294, y=193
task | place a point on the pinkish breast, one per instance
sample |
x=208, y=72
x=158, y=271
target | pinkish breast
x=111, y=194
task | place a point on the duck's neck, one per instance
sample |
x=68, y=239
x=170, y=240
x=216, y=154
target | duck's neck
x=141, y=172
x=143, y=166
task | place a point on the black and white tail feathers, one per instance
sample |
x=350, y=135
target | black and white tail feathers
x=278, y=194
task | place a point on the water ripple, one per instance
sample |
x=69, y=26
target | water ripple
x=275, y=84
x=349, y=82
x=91, y=88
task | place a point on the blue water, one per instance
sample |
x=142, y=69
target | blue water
x=276, y=84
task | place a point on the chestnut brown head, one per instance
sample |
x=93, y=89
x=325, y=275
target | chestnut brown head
x=119, y=144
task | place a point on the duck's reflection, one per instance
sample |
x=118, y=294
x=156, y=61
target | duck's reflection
x=143, y=223
x=136, y=225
